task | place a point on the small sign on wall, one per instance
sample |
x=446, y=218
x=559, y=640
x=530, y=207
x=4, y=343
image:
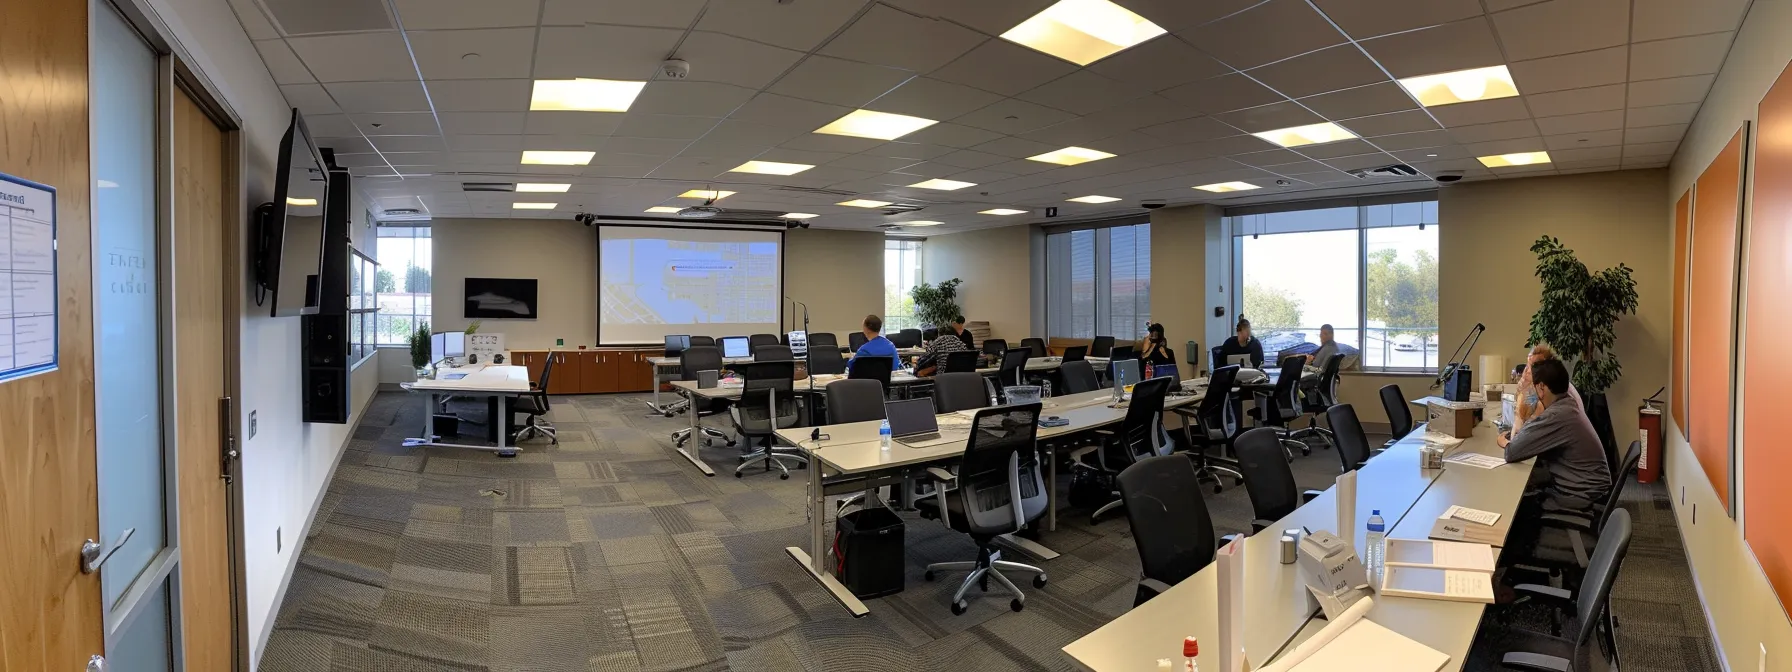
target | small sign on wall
x=29, y=320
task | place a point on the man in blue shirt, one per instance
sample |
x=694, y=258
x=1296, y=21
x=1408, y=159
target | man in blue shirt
x=875, y=343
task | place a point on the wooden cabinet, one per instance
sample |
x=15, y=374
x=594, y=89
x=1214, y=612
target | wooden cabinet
x=568, y=373
x=602, y=372
x=639, y=375
x=533, y=360
x=590, y=371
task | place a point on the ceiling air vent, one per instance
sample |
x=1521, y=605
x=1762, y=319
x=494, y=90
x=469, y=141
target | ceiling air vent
x=902, y=208
x=488, y=186
x=402, y=212
x=1396, y=170
x=812, y=190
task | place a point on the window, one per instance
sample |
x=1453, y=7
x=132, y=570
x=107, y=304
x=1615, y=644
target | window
x=401, y=282
x=363, y=307
x=902, y=271
x=1366, y=267
x=1098, y=282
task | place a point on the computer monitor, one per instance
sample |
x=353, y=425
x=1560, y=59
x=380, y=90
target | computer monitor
x=798, y=341
x=1125, y=372
x=446, y=344
x=735, y=346
x=676, y=345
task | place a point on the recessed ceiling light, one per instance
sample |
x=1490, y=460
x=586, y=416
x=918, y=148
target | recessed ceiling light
x=771, y=168
x=1313, y=134
x=918, y=223
x=706, y=194
x=534, y=206
x=943, y=185
x=550, y=158
x=1083, y=31
x=800, y=215
x=1224, y=187
x=876, y=125
x=1461, y=86
x=301, y=202
x=1093, y=199
x=1002, y=211
x=584, y=95
x=863, y=203
x=662, y=209
x=1518, y=159
x=1070, y=156
x=539, y=188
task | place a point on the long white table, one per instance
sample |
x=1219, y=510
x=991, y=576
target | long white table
x=472, y=380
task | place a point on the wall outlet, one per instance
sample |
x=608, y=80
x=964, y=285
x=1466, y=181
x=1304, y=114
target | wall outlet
x=252, y=426
x=277, y=544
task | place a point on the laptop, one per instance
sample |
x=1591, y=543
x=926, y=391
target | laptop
x=1125, y=372
x=913, y=424
x=1243, y=361
x=735, y=346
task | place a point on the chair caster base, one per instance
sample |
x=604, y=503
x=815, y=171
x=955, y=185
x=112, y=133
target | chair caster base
x=1016, y=604
x=959, y=607
x=1039, y=581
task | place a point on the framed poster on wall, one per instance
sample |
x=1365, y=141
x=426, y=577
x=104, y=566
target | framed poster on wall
x=1711, y=315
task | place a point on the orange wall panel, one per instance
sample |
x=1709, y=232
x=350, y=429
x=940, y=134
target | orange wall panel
x=1766, y=462
x=1682, y=228
x=1715, y=213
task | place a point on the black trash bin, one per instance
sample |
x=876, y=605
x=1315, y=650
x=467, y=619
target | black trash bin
x=868, y=556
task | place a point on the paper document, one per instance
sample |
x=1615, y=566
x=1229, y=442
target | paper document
x=1432, y=583
x=1230, y=563
x=1344, y=498
x=1441, y=439
x=1471, y=515
x=1444, y=554
x=1352, y=643
x=1476, y=460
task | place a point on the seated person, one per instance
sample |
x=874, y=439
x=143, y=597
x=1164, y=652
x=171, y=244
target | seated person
x=1571, y=468
x=1242, y=344
x=1527, y=406
x=929, y=363
x=1328, y=346
x=963, y=334
x=875, y=343
x=1155, y=352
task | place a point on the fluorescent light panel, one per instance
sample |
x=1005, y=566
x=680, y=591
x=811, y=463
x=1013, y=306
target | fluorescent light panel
x=876, y=125
x=1002, y=211
x=771, y=168
x=1083, y=31
x=1225, y=187
x=541, y=188
x=662, y=210
x=863, y=203
x=1093, y=199
x=1461, y=86
x=584, y=95
x=1314, y=134
x=1070, y=156
x=556, y=158
x=706, y=194
x=922, y=222
x=534, y=206
x=301, y=202
x=1518, y=159
x=800, y=215
x=943, y=185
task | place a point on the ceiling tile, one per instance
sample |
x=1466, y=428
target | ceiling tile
x=607, y=52
x=1679, y=57
x=661, y=13
x=1191, y=130
x=932, y=99
x=481, y=143
x=1512, y=146
x=1419, y=140
x=697, y=99
x=336, y=125
x=666, y=126
x=1410, y=121
x=254, y=22
x=1583, y=140
x=1449, y=47
x=1670, y=133
x=480, y=95
x=379, y=96
x=818, y=142
x=1159, y=64
x=952, y=135
x=282, y=63
x=645, y=146
x=1361, y=161
x=1139, y=113
x=794, y=156
x=1581, y=123
x=1014, y=148
x=734, y=138
x=402, y=123
x=723, y=58
x=355, y=145
x=1076, y=132
x=979, y=176
x=1562, y=26
x=1670, y=91
x=1657, y=19
x=1266, y=33
x=1574, y=71
x=890, y=37
x=452, y=14
x=1025, y=117
x=1577, y=101
x=1003, y=67
x=1222, y=94
x=1364, y=19
x=1660, y=115
x=800, y=27
x=1083, y=92
x=1361, y=101
x=563, y=122
x=1270, y=158
x=1237, y=144
x=482, y=123
x=355, y=57
x=1481, y=112
x=993, y=18
x=474, y=54
x=1336, y=149
x=311, y=99
x=773, y=110
x=970, y=158
x=1340, y=67
x=1270, y=117
x=1176, y=15
x=1650, y=148
x=1418, y=158
x=831, y=80
x=1504, y=130
x=1563, y=156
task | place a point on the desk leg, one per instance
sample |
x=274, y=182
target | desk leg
x=695, y=439
x=814, y=562
x=501, y=421
x=1051, y=490
x=429, y=417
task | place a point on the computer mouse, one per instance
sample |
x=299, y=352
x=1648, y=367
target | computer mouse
x=1053, y=418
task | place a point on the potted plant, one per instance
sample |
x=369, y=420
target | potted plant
x=936, y=305
x=1578, y=316
x=419, y=341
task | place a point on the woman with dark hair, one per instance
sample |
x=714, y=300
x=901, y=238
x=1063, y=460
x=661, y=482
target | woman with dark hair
x=1242, y=344
x=1155, y=352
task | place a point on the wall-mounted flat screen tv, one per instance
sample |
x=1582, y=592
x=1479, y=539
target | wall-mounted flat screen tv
x=500, y=299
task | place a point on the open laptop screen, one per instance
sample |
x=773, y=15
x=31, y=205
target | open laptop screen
x=1126, y=372
x=735, y=346
x=910, y=417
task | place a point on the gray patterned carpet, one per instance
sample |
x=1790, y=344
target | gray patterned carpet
x=608, y=552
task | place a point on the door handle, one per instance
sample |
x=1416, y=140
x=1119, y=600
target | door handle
x=93, y=555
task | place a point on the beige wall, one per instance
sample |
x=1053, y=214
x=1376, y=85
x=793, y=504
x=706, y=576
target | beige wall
x=997, y=268
x=561, y=255
x=840, y=274
x=1738, y=599
x=1179, y=276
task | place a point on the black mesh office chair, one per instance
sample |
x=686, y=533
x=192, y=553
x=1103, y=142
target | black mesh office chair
x=1399, y=415
x=854, y=401
x=856, y=340
x=767, y=404
x=871, y=368
x=773, y=353
x=1348, y=437
x=1122, y=353
x=703, y=341
x=1319, y=399
x=534, y=404
x=1267, y=477
x=1034, y=345
x=1216, y=357
x=1101, y=346
x=1076, y=353
x=1013, y=369
x=1169, y=520
x=998, y=490
x=960, y=361
x=954, y=392
x=1562, y=545
x=696, y=359
x=1281, y=406
x=755, y=341
x=826, y=361
x=1212, y=425
x=994, y=347
x=1538, y=652
x=907, y=338
x=1141, y=435
x=824, y=340
x=1079, y=377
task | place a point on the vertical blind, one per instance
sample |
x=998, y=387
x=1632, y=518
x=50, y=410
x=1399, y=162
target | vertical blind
x=1098, y=282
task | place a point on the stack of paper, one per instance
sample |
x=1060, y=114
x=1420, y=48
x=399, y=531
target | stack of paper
x=1460, y=523
x=1476, y=460
x=1443, y=554
x=1352, y=643
x=1437, y=583
x=1442, y=440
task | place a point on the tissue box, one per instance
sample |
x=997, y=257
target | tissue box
x=1456, y=422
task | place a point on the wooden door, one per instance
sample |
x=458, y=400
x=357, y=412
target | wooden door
x=532, y=360
x=639, y=374
x=50, y=613
x=568, y=373
x=203, y=237
x=591, y=365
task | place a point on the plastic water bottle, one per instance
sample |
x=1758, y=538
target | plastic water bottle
x=1377, y=542
x=883, y=435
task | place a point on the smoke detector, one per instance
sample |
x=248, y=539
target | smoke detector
x=675, y=68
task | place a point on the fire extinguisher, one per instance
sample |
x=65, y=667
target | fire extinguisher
x=1649, y=429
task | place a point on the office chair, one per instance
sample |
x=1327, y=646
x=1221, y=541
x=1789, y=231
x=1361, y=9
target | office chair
x=1267, y=477
x=1101, y=346
x=1214, y=426
x=1319, y=399
x=960, y=361
x=1122, y=353
x=826, y=361
x=1141, y=435
x=930, y=333
x=907, y=338
x=854, y=401
x=773, y=353
x=997, y=490
x=703, y=341
x=1282, y=405
x=1399, y=414
x=1170, y=522
x=695, y=359
x=1562, y=545
x=1034, y=345
x=534, y=404
x=856, y=340
x=756, y=340
x=954, y=392
x=1538, y=652
x=824, y=340
x=1348, y=437
x=767, y=404
x=994, y=347
x=872, y=368
x=1076, y=353
x=1014, y=366
x=1079, y=377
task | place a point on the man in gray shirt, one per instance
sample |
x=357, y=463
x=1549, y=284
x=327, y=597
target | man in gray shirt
x=1559, y=436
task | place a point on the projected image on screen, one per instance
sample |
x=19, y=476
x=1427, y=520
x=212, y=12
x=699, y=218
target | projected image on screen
x=659, y=281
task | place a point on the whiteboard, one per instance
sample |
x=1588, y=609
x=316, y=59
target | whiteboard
x=29, y=324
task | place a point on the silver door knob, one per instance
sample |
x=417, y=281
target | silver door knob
x=94, y=554
x=96, y=664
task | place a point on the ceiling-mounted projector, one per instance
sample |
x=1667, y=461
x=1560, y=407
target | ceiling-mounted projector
x=699, y=212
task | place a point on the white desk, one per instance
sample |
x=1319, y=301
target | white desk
x=668, y=366
x=475, y=380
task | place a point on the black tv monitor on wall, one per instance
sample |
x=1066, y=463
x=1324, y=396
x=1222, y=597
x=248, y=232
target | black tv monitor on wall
x=500, y=299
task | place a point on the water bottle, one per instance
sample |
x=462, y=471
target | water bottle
x=883, y=435
x=1377, y=542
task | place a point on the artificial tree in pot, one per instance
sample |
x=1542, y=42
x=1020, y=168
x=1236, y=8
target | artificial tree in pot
x=419, y=342
x=1578, y=316
x=936, y=305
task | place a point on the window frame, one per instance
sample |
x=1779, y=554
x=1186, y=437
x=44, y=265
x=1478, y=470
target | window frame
x=363, y=307
x=903, y=246
x=1101, y=278
x=416, y=231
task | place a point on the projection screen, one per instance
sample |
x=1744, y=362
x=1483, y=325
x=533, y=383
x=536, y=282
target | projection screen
x=657, y=280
